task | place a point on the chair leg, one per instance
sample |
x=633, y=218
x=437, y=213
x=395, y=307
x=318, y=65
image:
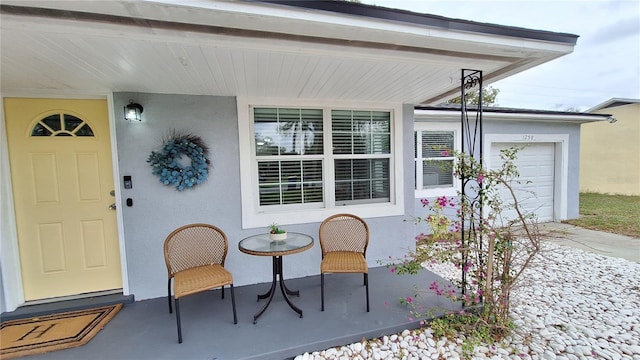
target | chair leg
x=366, y=284
x=322, y=290
x=178, y=321
x=233, y=304
x=222, y=291
x=169, y=295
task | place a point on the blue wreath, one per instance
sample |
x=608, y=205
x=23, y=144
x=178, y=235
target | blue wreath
x=166, y=165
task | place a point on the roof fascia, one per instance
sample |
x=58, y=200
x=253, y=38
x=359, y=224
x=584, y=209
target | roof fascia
x=261, y=35
x=450, y=115
x=409, y=17
x=608, y=103
x=407, y=31
x=404, y=40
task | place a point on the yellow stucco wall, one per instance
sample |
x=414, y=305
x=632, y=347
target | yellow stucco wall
x=610, y=153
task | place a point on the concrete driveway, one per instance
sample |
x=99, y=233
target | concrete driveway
x=598, y=242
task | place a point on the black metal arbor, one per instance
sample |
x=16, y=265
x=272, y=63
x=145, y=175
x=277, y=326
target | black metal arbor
x=472, y=134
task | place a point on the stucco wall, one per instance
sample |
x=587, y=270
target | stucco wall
x=610, y=153
x=506, y=127
x=158, y=209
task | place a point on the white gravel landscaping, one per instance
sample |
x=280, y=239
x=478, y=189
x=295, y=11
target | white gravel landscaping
x=572, y=305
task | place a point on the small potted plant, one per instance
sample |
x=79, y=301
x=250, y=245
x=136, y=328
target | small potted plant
x=276, y=233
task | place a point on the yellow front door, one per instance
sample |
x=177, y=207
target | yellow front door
x=61, y=170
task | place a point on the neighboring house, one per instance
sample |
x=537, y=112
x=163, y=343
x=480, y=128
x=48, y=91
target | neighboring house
x=610, y=152
x=547, y=162
x=339, y=73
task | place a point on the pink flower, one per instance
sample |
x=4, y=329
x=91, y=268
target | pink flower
x=393, y=269
x=480, y=178
x=434, y=287
x=442, y=201
x=409, y=299
x=444, y=153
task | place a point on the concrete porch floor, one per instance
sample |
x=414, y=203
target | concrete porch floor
x=146, y=330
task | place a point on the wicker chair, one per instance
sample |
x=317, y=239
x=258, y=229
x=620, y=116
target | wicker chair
x=344, y=239
x=195, y=256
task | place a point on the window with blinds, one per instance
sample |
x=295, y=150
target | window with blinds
x=292, y=163
x=362, y=151
x=289, y=149
x=434, y=152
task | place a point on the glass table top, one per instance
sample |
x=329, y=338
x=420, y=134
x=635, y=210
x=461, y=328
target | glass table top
x=261, y=244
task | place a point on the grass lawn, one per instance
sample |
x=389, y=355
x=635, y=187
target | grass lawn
x=617, y=214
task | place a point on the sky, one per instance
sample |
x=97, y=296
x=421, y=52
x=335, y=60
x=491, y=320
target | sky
x=605, y=62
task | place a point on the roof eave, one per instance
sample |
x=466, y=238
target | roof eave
x=509, y=114
x=613, y=102
x=428, y=20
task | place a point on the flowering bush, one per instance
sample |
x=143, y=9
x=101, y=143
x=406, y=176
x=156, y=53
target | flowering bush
x=441, y=225
x=490, y=250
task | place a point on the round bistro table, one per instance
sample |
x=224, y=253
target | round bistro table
x=262, y=245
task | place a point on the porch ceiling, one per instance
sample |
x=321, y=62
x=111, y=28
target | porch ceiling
x=251, y=49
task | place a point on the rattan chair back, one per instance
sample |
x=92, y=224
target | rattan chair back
x=195, y=245
x=195, y=256
x=344, y=232
x=344, y=239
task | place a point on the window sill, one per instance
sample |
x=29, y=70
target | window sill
x=435, y=192
x=257, y=220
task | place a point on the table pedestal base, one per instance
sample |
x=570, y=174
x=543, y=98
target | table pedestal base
x=277, y=277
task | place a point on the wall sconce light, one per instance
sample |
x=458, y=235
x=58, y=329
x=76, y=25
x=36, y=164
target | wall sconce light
x=133, y=111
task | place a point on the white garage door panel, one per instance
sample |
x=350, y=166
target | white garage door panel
x=536, y=166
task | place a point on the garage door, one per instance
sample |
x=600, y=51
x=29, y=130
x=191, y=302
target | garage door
x=536, y=166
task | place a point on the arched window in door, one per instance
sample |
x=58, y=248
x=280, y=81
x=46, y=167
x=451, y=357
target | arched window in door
x=61, y=125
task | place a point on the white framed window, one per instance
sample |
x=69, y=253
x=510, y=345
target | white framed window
x=288, y=156
x=302, y=162
x=361, y=154
x=434, y=147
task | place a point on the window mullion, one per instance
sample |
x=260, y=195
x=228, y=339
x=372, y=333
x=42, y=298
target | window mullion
x=438, y=158
x=418, y=161
x=329, y=161
x=364, y=156
x=280, y=192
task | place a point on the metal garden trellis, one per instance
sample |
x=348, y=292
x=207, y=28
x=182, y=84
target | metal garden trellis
x=472, y=135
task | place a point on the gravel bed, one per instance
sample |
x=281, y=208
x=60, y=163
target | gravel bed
x=572, y=305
